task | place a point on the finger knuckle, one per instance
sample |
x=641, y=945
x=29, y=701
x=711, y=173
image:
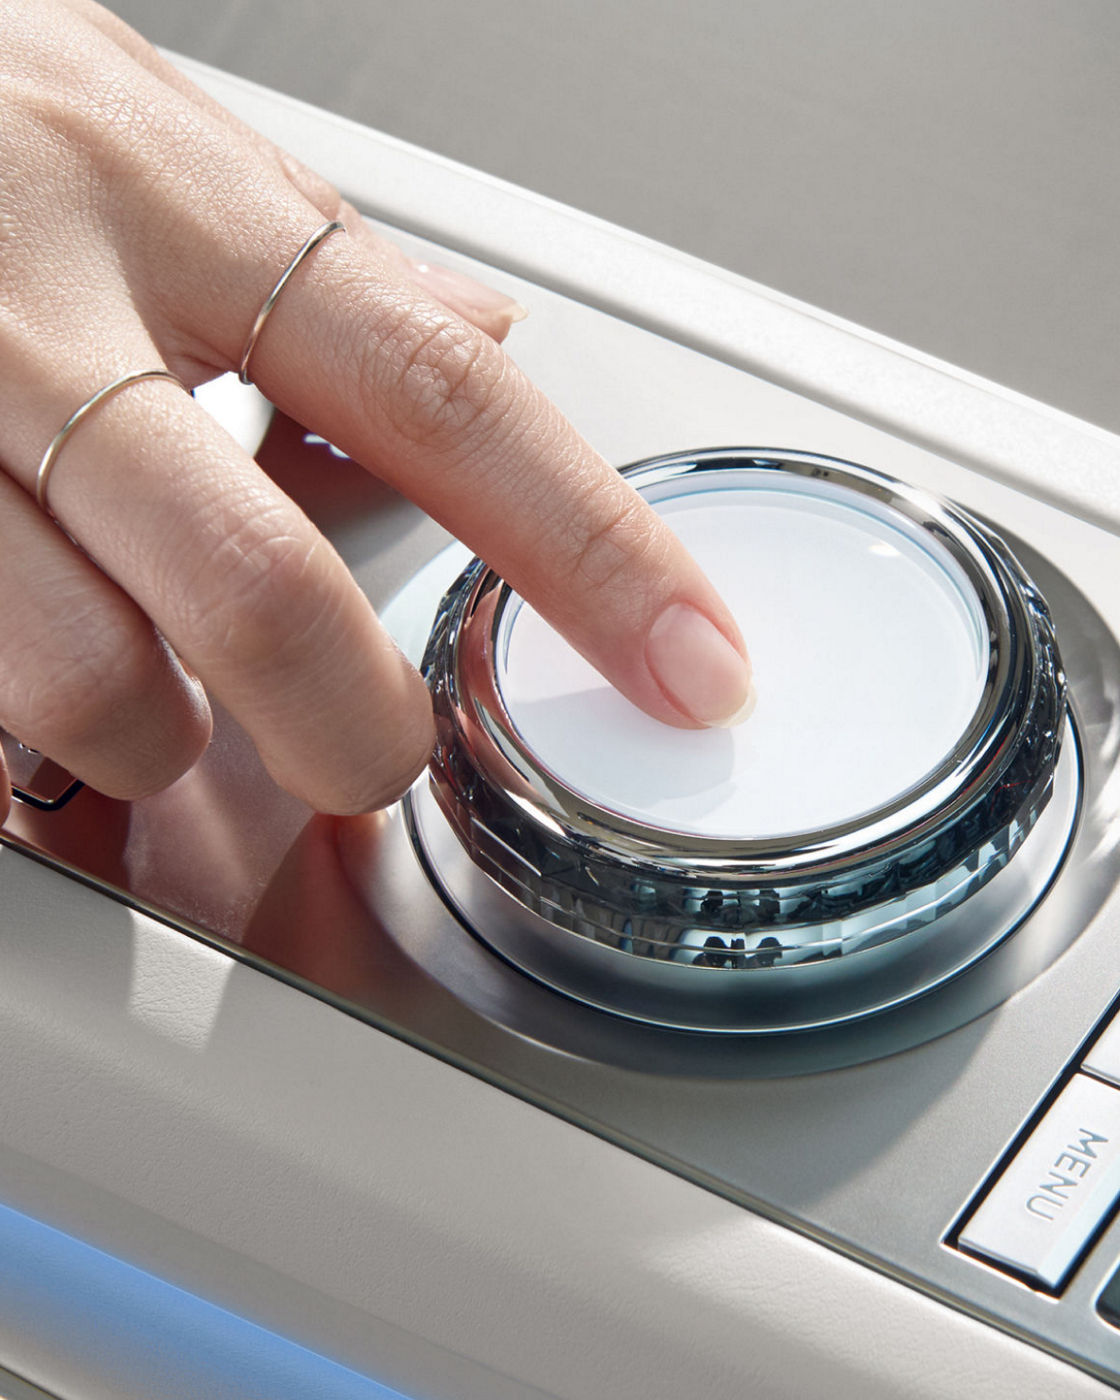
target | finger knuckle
x=446, y=381
x=69, y=700
x=612, y=543
x=253, y=607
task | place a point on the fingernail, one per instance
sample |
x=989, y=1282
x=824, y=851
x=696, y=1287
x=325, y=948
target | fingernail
x=456, y=289
x=698, y=668
x=743, y=713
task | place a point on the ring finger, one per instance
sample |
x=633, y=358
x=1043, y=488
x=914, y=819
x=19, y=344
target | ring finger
x=238, y=581
x=86, y=677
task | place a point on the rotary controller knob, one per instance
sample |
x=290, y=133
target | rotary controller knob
x=898, y=801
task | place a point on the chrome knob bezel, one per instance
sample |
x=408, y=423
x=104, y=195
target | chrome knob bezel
x=718, y=903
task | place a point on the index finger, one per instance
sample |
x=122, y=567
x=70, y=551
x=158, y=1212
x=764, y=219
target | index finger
x=402, y=384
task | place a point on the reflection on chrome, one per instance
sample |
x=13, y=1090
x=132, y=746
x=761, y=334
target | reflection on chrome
x=715, y=930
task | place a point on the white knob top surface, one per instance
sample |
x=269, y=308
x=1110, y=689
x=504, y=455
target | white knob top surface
x=870, y=652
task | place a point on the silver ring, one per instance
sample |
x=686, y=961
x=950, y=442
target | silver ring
x=50, y=456
x=263, y=314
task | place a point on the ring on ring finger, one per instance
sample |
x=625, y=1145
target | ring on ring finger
x=50, y=457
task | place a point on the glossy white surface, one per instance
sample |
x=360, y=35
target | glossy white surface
x=869, y=652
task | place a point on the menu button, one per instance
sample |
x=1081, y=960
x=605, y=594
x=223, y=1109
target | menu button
x=1046, y=1206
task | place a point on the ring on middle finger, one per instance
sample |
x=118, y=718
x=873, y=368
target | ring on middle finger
x=321, y=233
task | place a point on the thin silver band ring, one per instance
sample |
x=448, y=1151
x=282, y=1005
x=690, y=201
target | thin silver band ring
x=325, y=231
x=50, y=456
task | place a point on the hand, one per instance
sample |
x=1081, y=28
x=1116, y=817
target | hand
x=142, y=226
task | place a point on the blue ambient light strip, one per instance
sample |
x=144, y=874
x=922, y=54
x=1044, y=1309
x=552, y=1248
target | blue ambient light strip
x=135, y=1334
